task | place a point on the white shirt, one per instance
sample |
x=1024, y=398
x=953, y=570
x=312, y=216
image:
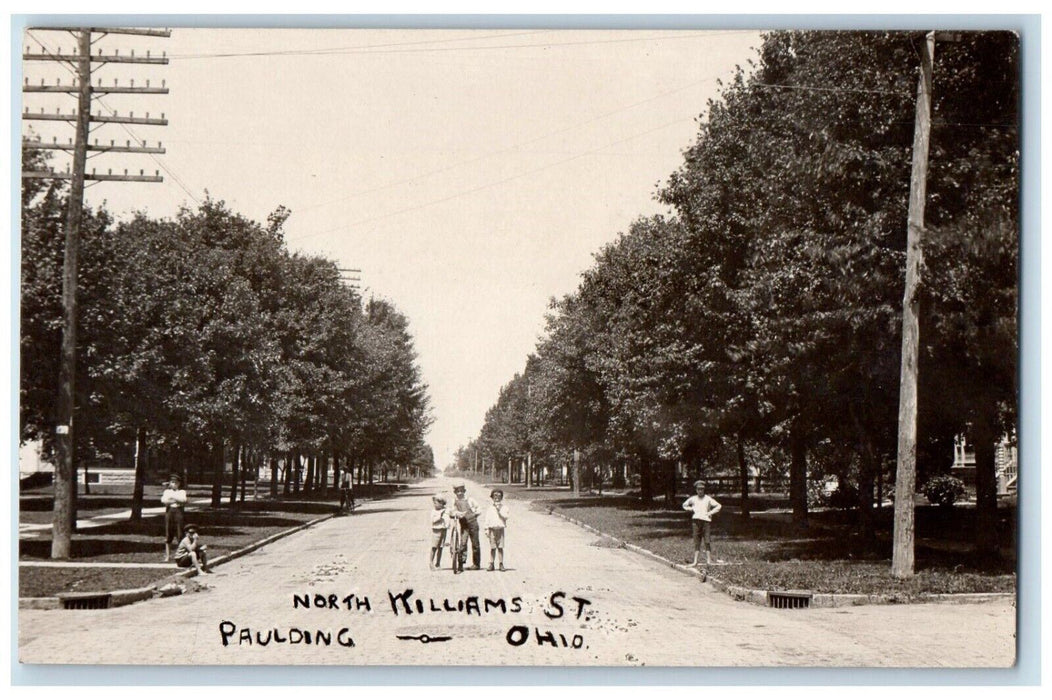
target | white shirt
x=704, y=507
x=495, y=517
x=174, y=497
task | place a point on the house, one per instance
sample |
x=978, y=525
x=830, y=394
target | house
x=1006, y=464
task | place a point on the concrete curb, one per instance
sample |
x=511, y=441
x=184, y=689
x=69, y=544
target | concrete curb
x=134, y=595
x=818, y=600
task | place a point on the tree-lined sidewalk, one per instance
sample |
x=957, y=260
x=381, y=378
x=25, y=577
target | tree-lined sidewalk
x=207, y=348
x=756, y=330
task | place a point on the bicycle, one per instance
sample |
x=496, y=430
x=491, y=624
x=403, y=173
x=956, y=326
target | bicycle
x=457, y=550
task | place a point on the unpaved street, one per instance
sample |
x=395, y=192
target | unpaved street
x=563, y=601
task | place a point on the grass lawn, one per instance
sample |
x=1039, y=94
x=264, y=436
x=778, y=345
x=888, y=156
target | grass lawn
x=224, y=530
x=767, y=552
x=38, y=581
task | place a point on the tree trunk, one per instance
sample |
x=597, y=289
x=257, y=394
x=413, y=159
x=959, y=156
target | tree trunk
x=646, y=484
x=273, y=475
x=297, y=470
x=308, y=479
x=235, y=472
x=743, y=476
x=218, y=462
x=985, y=488
x=866, y=477
x=798, y=476
x=244, y=480
x=140, y=473
x=576, y=474
x=670, y=482
x=286, y=474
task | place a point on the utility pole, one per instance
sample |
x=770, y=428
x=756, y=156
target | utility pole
x=351, y=277
x=64, y=512
x=906, y=475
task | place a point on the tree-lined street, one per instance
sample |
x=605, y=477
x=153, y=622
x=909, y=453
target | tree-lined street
x=638, y=611
x=814, y=319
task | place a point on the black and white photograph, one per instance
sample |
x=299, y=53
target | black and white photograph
x=690, y=346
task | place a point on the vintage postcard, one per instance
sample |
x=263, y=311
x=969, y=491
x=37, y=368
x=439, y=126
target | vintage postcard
x=529, y=347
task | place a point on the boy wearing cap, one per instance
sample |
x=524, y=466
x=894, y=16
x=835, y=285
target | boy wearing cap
x=174, y=500
x=439, y=525
x=704, y=507
x=192, y=552
x=467, y=511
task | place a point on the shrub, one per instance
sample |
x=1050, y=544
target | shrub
x=845, y=496
x=943, y=490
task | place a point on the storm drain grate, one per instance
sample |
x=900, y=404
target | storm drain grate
x=85, y=601
x=790, y=600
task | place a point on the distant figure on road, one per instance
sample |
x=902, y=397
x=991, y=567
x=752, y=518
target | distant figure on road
x=439, y=525
x=466, y=511
x=174, y=500
x=346, y=491
x=192, y=552
x=496, y=520
x=704, y=508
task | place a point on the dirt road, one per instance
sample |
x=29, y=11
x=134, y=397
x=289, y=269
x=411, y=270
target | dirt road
x=344, y=591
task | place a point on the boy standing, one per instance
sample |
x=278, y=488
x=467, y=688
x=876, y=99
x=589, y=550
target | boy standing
x=466, y=510
x=496, y=519
x=174, y=500
x=439, y=525
x=192, y=552
x=704, y=508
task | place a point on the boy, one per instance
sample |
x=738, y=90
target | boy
x=192, y=552
x=704, y=508
x=439, y=525
x=174, y=500
x=466, y=510
x=346, y=491
x=496, y=519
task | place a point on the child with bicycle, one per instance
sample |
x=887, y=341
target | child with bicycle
x=439, y=525
x=464, y=515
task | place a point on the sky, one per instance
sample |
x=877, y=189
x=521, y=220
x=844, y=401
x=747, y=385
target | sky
x=470, y=175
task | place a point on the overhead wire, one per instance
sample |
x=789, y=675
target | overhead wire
x=488, y=185
x=384, y=50
x=507, y=149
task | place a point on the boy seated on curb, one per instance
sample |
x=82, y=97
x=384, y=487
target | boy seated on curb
x=192, y=552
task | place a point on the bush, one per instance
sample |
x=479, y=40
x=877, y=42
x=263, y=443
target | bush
x=845, y=496
x=943, y=490
x=817, y=493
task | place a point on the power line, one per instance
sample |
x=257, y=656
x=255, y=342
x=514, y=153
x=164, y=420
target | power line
x=338, y=49
x=486, y=186
x=368, y=49
x=507, y=149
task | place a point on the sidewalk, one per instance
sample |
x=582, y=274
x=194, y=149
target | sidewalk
x=105, y=519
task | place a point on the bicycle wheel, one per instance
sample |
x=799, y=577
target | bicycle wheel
x=454, y=549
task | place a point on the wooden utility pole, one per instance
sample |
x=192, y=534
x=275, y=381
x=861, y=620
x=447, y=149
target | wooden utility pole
x=906, y=474
x=64, y=512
